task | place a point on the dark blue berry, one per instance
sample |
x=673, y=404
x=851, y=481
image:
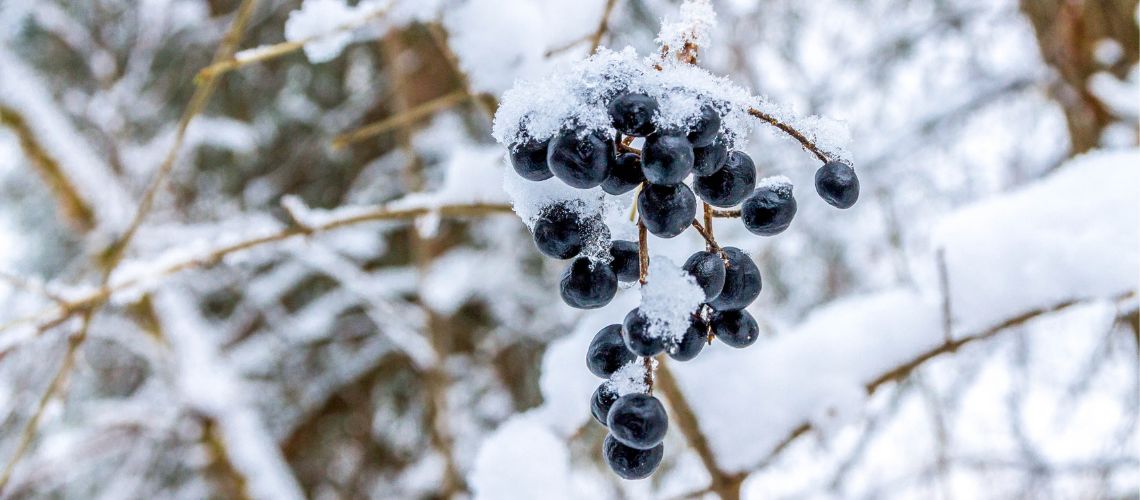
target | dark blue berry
x=692, y=342
x=586, y=285
x=729, y=185
x=632, y=114
x=600, y=403
x=837, y=184
x=625, y=174
x=667, y=210
x=770, y=209
x=710, y=158
x=735, y=328
x=638, y=421
x=607, y=352
x=631, y=463
x=635, y=333
x=626, y=263
x=741, y=281
x=708, y=269
x=580, y=161
x=704, y=132
x=558, y=233
x=529, y=160
x=666, y=158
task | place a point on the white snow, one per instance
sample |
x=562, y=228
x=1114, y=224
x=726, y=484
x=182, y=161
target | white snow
x=694, y=26
x=669, y=298
x=326, y=26
x=630, y=379
x=522, y=460
x=1072, y=236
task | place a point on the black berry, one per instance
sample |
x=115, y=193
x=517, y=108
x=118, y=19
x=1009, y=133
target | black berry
x=580, y=161
x=710, y=158
x=607, y=352
x=729, y=185
x=635, y=332
x=586, y=285
x=600, y=403
x=666, y=158
x=692, y=342
x=704, y=132
x=837, y=184
x=741, y=282
x=708, y=269
x=638, y=421
x=558, y=233
x=632, y=114
x=631, y=463
x=626, y=263
x=667, y=210
x=735, y=328
x=529, y=160
x=770, y=209
x=625, y=174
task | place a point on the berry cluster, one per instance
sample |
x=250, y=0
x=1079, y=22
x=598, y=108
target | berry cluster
x=729, y=279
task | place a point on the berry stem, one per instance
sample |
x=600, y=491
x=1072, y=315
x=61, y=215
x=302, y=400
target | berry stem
x=709, y=223
x=788, y=129
x=642, y=252
x=707, y=235
x=726, y=214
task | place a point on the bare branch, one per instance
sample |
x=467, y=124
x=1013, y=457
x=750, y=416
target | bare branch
x=790, y=130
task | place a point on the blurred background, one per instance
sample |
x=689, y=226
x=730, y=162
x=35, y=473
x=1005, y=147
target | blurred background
x=290, y=273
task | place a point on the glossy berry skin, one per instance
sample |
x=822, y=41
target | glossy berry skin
x=729, y=185
x=769, y=211
x=581, y=162
x=710, y=158
x=585, y=285
x=632, y=114
x=635, y=333
x=638, y=421
x=666, y=158
x=741, y=282
x=607, y=352
x=529, y=160
x=736, y=328
x=604, y=398
x=625, y=174
x=667, y=210
x=708, y=269
x=837, y=184
x=704, y=132
x=695, y=338
x=626, y=263
x=631, y=463
x=558, y=233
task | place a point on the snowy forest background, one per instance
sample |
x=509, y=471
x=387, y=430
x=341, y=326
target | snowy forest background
x=293, y=272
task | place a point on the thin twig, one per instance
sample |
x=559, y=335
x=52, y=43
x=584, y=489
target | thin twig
x=726, y=214
x=709, y=240
x=53, y=388
x=790, y=130
x=270, y=52
x=708, y=212
x=944, y=287
x=392, y=122
x=197, y=103
x=603, y=26
x=52, y=317
x=486, y=103
x=642, y=252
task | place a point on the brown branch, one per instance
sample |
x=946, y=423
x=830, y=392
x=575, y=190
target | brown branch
x=708, y=213
x=603, y=26
x=74, y=208
x=790, y=130
x=642, y=252
x=401, y=119
x=488, y=104
x=198, y=102
x=52, y=317
x=726, y=485
x=53, y=388
x=902, y=371
x=270, y=52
